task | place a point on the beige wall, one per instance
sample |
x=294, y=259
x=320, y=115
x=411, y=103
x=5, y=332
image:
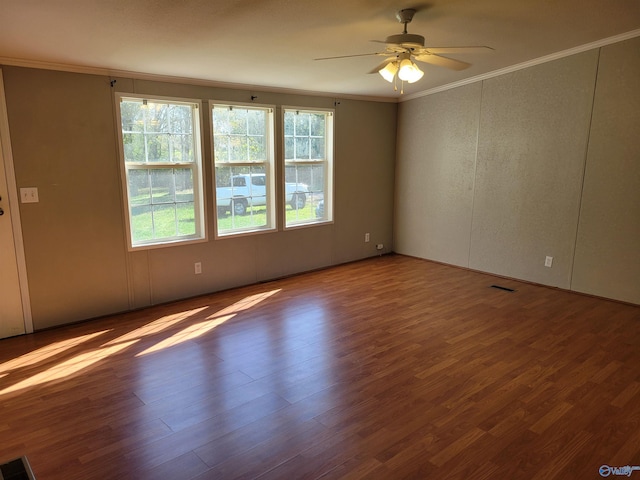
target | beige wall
x=437, y=141
x=608, y=244
x=534, y=127
x=64, y=143
x=523, y=193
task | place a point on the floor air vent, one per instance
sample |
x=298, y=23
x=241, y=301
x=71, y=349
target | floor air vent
x=506, y=289
x=17, y=469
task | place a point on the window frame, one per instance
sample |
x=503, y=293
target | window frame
x=269, y=165
x=196, y=167
x=328, y=162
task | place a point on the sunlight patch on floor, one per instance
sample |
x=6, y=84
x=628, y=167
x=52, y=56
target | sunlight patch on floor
x=44, y=353
x=85, y=360
x=214, y=320
x=68, y=367
x=156, y=326
x=246, y=303
x=189, y=333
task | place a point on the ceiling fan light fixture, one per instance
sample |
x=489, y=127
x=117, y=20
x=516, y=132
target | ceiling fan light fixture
x=416, y=74
x=389, y=71
x=409, y=71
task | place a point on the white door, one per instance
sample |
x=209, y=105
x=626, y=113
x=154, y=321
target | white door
x=13, y=293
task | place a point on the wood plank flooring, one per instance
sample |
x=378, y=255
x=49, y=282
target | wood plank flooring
x=387, y=368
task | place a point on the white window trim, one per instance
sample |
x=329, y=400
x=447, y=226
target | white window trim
x=329, y=185
x=271, y=225
x=198, y=181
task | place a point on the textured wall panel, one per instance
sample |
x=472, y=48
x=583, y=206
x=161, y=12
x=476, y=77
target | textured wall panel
x=531, y=154
x=437, y=138
x=607, y=260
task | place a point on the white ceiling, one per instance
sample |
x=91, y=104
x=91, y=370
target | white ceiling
x=272, y=43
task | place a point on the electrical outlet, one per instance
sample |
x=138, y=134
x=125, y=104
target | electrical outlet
x=198, y=267
x=367, y=237
x=379, y=246
x=548, y=261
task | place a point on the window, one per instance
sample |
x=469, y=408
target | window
x=162, y=170
x=243, y=154
x=308, y=162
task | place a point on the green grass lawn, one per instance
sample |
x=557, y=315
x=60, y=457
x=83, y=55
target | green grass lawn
x=168, y=222
x=165, y=222
x=257, y=217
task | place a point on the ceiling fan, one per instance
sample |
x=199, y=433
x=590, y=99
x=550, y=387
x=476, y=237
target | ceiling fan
x=405, y=48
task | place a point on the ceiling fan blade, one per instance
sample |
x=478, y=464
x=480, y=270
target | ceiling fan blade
x=449, y=63
x=382, y=65
x=349, y=56
x=450, y=50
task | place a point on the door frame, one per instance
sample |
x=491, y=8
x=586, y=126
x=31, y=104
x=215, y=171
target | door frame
x=6, y=154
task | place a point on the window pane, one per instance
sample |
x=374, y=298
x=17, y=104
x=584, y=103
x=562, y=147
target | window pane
x=317, y=148
x=139, y=187
x=162, y=187
x=156, y=117
x=183, y=184
x=289, y=151
x=301, y=148
x=141, y=223
x=238, y=152
x=180, y=119
x=132, y=116
x=241, y=196
x=317, y=125
x=256, y=122
x=221, y=148
x=257, y=148
x=317, y=181
x=288, y=123
x=238, y=121
x=186, y=219
x=182, y=148
x=158, y=147
x=133, y=145
x=164, y=221
x=297, y=193
x=220, y=117
x=301, y=123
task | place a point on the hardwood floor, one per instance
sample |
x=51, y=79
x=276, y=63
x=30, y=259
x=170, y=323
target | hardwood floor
x=387, y=368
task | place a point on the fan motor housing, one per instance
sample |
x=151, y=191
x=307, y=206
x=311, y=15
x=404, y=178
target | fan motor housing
x=406, y=39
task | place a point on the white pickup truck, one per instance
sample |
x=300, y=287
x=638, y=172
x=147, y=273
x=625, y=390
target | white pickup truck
x=250, y=190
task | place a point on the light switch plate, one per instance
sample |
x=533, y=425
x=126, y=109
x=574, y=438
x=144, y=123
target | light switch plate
x=29, y=195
